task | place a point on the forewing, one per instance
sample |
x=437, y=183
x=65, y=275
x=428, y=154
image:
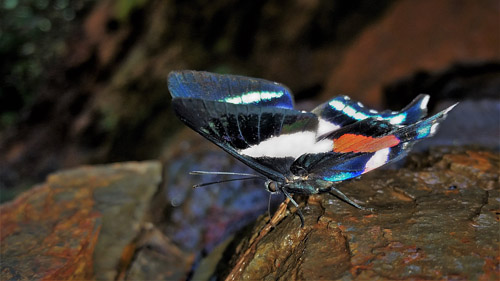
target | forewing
x=228, y=88
x=342, y=111
x=252, y=134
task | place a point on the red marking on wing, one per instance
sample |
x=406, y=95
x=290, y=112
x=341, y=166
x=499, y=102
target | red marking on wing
x=359, y=143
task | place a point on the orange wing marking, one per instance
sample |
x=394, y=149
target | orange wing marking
x=359, y=143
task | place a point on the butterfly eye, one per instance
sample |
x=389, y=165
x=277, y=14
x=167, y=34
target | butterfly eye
x=272, y=186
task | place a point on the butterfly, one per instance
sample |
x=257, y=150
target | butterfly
x=296, y=152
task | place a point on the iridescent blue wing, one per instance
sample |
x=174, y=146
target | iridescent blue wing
x=342, y=111
x=228, y=88
x=364, y=146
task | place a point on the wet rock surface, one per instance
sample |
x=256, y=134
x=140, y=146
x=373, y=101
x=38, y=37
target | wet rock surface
x=437, y=218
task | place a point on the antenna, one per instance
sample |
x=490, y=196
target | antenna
x=225, y=173
x=214, y=182
x=248, y=177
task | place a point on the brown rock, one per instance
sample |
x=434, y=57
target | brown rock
x=157, y=258
x=415, y=35
x=78, y=224
x=436, y=219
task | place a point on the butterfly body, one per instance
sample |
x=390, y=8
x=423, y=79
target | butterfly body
x=304, y=186
x=297, y=152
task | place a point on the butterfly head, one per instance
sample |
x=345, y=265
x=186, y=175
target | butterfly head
x=273, y=186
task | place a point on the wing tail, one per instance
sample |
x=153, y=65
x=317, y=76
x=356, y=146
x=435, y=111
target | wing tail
x=424, y=128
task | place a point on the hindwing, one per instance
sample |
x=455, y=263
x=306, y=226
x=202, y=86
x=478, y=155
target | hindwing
x=341, y=111
x=364, y=146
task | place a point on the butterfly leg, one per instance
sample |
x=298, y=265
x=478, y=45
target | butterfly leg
x=335, y=192
x=301, y=216
x=269, y=206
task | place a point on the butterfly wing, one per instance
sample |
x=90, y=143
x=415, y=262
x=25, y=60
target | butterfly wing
x=257, y=136
x=228, y=88
x=364, y=146
x=342, y=111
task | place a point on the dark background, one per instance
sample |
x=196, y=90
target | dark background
x=84, y=82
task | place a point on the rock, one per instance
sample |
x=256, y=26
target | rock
x=79, y=224
x=437, y=218
x=413, y=36
x=157, y=258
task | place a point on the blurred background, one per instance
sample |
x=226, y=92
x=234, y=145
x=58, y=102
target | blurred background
x=84, y=82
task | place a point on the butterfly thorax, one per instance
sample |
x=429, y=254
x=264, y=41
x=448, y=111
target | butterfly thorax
x=299, y=185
